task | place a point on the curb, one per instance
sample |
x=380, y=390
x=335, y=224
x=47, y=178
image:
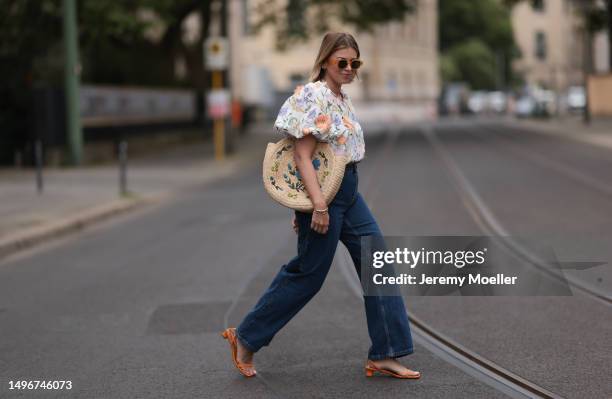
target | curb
x=595, y=139
x=36, y=235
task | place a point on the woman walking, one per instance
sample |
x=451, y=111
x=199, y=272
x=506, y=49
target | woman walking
x=322, y=111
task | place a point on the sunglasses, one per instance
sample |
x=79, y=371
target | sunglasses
x=342, y=63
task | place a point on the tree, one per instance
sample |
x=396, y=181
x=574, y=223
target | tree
x=609, y=27
x=472, y=61
x=298, y=20
x=110, y=31
x=113, y=43
x=476, y=42
x=30, y=34
x=116, y=47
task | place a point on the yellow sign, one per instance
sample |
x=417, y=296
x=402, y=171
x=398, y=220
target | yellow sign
x=217, y=53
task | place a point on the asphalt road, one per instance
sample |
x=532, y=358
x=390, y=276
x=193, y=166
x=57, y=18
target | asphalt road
x=560, y=343
x=133, y=308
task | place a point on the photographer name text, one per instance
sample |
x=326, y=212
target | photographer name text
x=408, y=279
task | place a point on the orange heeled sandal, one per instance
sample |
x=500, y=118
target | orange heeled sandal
x=230, y=335
x=371, y=368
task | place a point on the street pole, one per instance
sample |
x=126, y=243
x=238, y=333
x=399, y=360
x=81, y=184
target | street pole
x=587, y=55
x=555, y=84
x=609, y=13
x=216, y=61
x=71, y=82
x=225, y=30
x=498, y=75
x=123, y=159
x=586, y=69
x=219, y=122
x=38, y=154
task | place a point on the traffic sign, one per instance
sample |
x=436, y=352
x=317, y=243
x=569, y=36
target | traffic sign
x=217, y=53
x=218, y=103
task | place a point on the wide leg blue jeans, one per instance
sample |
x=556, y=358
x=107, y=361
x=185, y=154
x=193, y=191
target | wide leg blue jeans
x=300, y=279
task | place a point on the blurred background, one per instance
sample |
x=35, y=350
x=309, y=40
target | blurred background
x=134, y=226
x=138, y=68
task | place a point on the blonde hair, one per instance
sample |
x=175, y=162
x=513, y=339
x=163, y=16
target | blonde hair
x=332, y=41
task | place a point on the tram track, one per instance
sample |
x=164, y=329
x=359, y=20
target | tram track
x=261, y=377
x=489, y=223
x=514, y=147
x=458, y=355
x=436, y=342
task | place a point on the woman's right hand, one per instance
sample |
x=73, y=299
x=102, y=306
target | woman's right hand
x=320, y=222
x=304, y=148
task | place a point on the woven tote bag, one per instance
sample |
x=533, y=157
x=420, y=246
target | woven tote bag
x=282, y=179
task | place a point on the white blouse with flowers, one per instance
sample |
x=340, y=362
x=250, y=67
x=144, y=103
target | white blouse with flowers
x=315, y=109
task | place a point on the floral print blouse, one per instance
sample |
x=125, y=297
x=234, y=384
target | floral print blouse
x=315, y=109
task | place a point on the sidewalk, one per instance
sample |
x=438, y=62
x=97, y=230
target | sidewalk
x=598, y=133
x=76, y=197
x=376, y=117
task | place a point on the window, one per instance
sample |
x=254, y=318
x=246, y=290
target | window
x=246, y=24
x=391, y=82
x=393, y=30
x=407, y=78
x=540, y=46
x=538, y=5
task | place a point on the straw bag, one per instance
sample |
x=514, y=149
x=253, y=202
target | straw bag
x=282, y=179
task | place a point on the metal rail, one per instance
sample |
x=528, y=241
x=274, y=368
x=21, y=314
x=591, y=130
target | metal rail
x=489, y=223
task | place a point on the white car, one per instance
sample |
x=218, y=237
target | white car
x=477, y=102
x=576, y=98
x=525, y=106
x=497, y=101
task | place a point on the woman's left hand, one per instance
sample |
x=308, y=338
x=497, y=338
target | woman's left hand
x=295, y=224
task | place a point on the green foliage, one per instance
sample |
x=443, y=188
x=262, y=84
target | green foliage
x=593, y=11
x=476, y=42
x=31, y=35
x=461, y=20
x=448, y=69
x=113, y=43
x=28, y=30
x=596, y=18
x=365, y=14
x=102, y=20
x=473, y=62
x=140, y=64
x=292, y=23
x=110, y=31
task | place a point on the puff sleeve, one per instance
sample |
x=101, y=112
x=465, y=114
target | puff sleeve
x=289, y=117
x=309, y=111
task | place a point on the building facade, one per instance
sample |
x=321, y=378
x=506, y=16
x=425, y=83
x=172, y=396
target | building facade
x=550, y=36
x=400, y=59
x=601, y=56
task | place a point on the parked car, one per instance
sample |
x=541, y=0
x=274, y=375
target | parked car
x=576, y=98
x=454, y=99
x=525, y=106
x=477, y=103
x=546, y=104
x=483, y=102
x=535, y=101
x=496, y=101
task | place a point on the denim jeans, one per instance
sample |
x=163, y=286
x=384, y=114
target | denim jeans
x=300, y=279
